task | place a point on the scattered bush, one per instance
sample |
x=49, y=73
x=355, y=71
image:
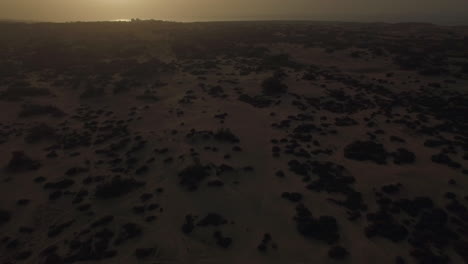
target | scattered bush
x=225, y=134
x=366, y=150
x=278, y=61
x=338, y=252
x=21, y=162
x=212, y=219
x=5, y=216
x=325, y=228
x=17, y=93
x=117, y=187
x=141, y=253
x=274, y=85
x=30, y=110
x=92, y=92
x=62, y=184
x=464, y=68
x=256, y=101
x=40, y=132
x=128, y=231
x=192, y=176
x=403, y=156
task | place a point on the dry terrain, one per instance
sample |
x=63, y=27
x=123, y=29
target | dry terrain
x=233, y=142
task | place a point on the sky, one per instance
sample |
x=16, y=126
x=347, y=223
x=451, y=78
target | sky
x=435, y=11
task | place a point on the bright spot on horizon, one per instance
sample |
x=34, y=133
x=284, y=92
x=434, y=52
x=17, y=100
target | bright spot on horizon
x=121, y=20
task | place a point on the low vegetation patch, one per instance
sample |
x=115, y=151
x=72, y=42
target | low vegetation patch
x=39, y=133
x=117, y=187
x=14, y=93
x=274, y=85
x=193, y=175
x=225, y=134
x=22, y=162
x=32, y=110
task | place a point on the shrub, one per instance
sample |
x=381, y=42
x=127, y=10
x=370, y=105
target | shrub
x=5, y=216
x=117, y=187
x=278, y=61
x=21, y=162
x=225, y=134
x=18, y=92
x=191, y=176
x=274, y=85
x=366, y=150
x=256, y=101
x=141, y=253
x=92, y=92
x=40, y=132
x=464, y=68
x=29, y=110
x=338, y=252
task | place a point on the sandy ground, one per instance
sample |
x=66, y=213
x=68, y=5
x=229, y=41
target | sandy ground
x=166, y=113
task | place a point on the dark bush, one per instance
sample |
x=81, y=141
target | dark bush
x=338, y=252
x=92, y=92
x=442, y=158
x=464, y=68
x=117, y=187
x=128, y=231
x=366, y=150
x=225, y=134
x=256, y=101
x=40, y=132
x=30, y=110
x=141, y=253
x=385, y=225
x=292, y=196
x=56, y=230
x=16, y=93
x=62, y=184
x=191, y=176
x=5, y=216
x=278, y=61
x=189, y=224
x=21, y=162
x=325, y=228
x=274, y=86
x=221, y=240
x=212, y=219
x=403, y=156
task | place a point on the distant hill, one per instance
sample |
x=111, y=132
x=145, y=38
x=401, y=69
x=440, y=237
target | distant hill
x=6, y=20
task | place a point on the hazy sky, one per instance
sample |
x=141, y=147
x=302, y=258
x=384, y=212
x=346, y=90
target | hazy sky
x=186, y=10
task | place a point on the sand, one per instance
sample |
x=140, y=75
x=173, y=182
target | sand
x=161, y=142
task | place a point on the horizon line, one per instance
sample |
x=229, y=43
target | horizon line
x=130, y=20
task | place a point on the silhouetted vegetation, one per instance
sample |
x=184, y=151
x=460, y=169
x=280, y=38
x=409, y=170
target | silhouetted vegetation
x=31, y=110
x=19, y=92
x=22, y=162
x=117, y=187
x=5, y=216
x=92, y=92
x=274, y=85
x=193, y=175
x=40, y=132
x=225, y=134
x=276, y=62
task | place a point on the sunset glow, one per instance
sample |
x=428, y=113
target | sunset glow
x=191, y=10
